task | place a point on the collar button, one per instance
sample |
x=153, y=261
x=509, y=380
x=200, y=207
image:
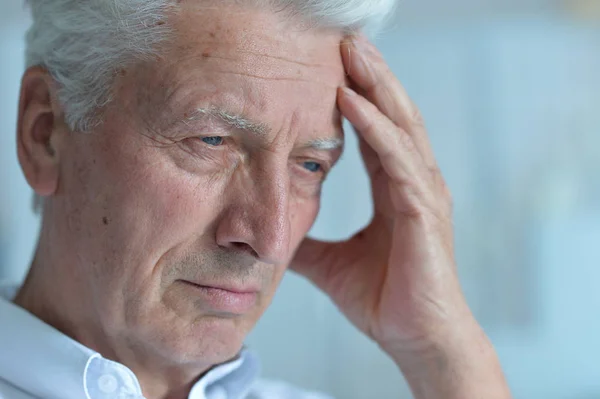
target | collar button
x=108, y=384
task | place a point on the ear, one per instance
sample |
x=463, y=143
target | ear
x=40, y=125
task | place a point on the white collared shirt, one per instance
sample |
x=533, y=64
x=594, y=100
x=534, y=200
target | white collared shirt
x=38, y=361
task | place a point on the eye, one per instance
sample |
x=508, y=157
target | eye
x=214, y=141
x=312, y=166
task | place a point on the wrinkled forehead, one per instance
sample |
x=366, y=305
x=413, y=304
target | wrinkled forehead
x=253, y=29
x=218, y=50
x=258, y=40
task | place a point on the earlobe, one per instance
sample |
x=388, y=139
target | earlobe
x=39, y=129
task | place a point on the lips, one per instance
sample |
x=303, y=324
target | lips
x=225, y=298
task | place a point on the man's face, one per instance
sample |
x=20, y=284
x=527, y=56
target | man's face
x=184, y=215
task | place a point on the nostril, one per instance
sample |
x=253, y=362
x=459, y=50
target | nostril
x=242, y=246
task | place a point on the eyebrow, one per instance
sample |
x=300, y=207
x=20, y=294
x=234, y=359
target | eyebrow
x=325, y=144
x=260, y=129
x=233, y=120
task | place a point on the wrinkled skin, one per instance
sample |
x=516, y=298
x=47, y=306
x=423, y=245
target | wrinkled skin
x=158, y=197
x=142, y=203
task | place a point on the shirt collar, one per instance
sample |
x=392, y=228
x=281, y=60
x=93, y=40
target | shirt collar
x=46, y=363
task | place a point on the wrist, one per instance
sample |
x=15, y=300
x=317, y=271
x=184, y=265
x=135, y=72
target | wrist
x=462, y=364
x=450, y=342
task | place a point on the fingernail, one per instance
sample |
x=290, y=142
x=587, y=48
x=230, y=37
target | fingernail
x=358, y=57
x=349, y=92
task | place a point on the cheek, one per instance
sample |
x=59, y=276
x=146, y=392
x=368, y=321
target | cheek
x=302, y=217
x=166, y=202
x=148, y=206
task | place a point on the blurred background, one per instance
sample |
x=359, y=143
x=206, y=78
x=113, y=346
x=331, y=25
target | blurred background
x=510, y=90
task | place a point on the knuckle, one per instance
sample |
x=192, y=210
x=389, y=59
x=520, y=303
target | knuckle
x=370, y=127
x=413, y=212
x=406, y=141
x=416, y=116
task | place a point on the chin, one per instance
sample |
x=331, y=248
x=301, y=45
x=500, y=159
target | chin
x=210, y=340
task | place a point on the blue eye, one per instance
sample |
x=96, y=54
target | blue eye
x=214, y=141
x=312, y=166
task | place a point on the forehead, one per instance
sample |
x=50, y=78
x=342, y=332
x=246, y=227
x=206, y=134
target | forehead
x=252, y=62
x=255, y=37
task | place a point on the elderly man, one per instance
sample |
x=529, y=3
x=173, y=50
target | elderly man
x=180, y=148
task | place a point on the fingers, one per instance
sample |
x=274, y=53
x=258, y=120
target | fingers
x=397, y=153
x=372, y=76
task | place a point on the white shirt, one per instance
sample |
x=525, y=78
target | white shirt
x=38, y=361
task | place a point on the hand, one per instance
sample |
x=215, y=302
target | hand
x=396, y=280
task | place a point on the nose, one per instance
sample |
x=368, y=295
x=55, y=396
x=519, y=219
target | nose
x=257, y=218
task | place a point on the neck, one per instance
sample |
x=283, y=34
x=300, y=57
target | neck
x=63, y=304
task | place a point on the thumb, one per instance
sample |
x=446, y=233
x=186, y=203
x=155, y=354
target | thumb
x=317, y=261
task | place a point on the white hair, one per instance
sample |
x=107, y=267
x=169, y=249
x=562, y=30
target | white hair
x=85, y=43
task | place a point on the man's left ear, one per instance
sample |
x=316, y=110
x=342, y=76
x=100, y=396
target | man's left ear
x=40, y=129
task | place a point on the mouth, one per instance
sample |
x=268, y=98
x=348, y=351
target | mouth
x=235, y=300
